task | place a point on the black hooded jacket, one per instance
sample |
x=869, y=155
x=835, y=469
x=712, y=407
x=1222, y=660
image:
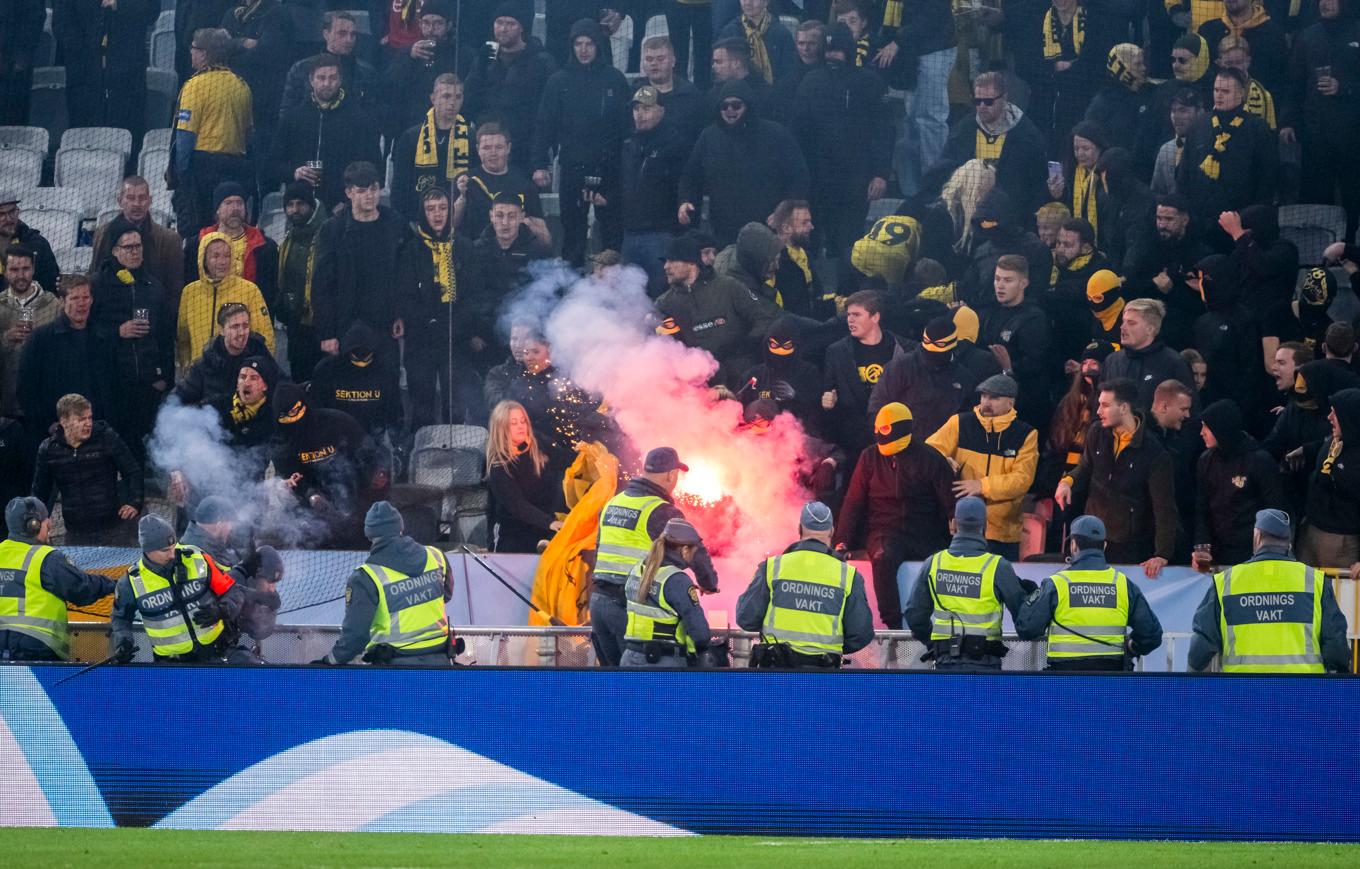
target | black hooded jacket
x=509, y=90
x=1303, y=422
x=139, y=361
x=1127, y=209
x=1229, y=339
x=1321, y=120
x=906, y=496
x=213, y=376
x=745, y=169
x=1234, y=479
x=1266, y=264
x=997, y=231
x=420, y=296
x=326, y=447
x=94, y=479
x=1147, y=368
x=840, y=122
x=584, y=113
x=360, y=382
x=1333, y=502
x=793, y=383
x=935, y=386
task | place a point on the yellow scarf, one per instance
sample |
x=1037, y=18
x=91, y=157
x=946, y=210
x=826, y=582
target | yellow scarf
x=339, y=98
x=1332, y=452
x=427, y=146
x=861, y=50
x=441, y=252
x=755, y=37
x=1260, y=103
x=1209, y=165
x=1084, y=196
x=1076, y=265
x=1053, y=33
x=241, y=412
x=1257, y=17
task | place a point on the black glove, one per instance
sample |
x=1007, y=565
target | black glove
x=126, y=651
x=1029, y=585
x=207, y=615
x=323, y=662
x=716, y=655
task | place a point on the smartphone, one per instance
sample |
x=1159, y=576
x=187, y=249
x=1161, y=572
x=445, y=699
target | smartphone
x=1055, y=171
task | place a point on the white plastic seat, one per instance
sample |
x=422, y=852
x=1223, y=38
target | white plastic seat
x=60, y=227
x=152, y=164
x=98, y=173
x=28, y=138
x=163, y=50
x=20, y=168
x=97, y=139
x=74, y=260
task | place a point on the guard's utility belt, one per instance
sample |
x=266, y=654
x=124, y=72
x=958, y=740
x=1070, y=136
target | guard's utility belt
x=972, y=648
x=655, y=650
x=781, y=656
x=612, y=590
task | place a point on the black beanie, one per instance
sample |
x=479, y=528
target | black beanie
x=299, y=190
x=1224, y=419
x=290, y=403
x=518, y=10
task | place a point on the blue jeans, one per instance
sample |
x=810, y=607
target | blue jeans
x=644, y=250
x=925, y=126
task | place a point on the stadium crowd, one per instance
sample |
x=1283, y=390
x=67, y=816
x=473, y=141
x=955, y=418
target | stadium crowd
x=1080, y=299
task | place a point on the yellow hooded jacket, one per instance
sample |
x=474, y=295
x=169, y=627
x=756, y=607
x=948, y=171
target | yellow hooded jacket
x=202, y=299
x=1000, y=451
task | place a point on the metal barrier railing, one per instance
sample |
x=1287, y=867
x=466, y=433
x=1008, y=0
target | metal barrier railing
x=570, y=647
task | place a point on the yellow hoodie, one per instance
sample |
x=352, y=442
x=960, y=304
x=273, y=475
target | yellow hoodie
x=202, y=299
x=1000, y=451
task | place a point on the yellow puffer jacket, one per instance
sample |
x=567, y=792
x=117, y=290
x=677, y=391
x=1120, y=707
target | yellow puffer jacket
x=1003, y=453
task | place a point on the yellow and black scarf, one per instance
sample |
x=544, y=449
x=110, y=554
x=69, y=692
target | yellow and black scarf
x=333, y=104
x=755, y=37
x=1084, y=196
x=1260, y=103
x=1222, y=135
x=1054, y=32
x=242, y=412
x=441, y=254
x=427, y=146
x=862, y=50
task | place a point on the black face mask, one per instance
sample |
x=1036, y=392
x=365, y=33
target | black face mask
x=938, y=361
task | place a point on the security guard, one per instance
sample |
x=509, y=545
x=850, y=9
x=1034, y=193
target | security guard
x=628, y=524
x=955, y=607
x=1270, y=614
x=809, y=606
x=395, y=601
x=1094, y=617
x=187, y=603
x=36, y=583
x=666, y=626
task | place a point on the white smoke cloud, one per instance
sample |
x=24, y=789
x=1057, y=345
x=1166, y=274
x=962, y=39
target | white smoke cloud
x=655, y=387
x=190, y=440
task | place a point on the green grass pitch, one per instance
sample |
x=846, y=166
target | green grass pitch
x=141, y=849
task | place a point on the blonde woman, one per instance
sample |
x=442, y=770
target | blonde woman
x=525, y=492
x=961, y=195
x=666, y=625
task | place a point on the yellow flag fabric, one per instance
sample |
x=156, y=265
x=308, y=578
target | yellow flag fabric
x=560, y=587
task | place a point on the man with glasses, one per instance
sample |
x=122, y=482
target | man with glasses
x=15, y=233
x=1000, y=133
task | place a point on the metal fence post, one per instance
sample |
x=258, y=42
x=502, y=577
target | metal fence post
x=547, y=650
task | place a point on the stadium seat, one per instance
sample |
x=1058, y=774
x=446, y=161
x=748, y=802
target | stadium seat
x=880, y=208
x=162, y=89
x=656, y=26
x=55, y=212
x=98, y=173
x=165, y=21
x=157, y=139
x=791, y=22
x=163, y=50
x=114, y=139
x=151, y=165
x=1312, y=228
x=32, y=138
x=451, y=458
x=362, y=25
x=74, y=260
x=20, y=167
x=621, y=44
x=275, y=226
x=49, y=101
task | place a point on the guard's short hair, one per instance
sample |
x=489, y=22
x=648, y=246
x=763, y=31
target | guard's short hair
x=72, y=404
x=1084, y=230
x=1013, y=262
x=870, y=300
x=992, y=79
x=1152, y=310
x=1124, y=390
x=361, y=174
